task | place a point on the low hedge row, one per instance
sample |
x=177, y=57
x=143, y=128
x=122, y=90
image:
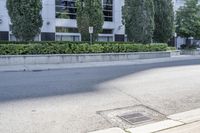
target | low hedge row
x=70, y=48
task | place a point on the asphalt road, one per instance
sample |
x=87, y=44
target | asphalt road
x=66, y=101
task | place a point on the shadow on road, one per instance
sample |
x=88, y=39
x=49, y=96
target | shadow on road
x=26, y=85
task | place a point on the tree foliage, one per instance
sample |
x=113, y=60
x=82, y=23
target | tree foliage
x=138, y=18
x=188, y=20
x=164, y=20
x=25, y=17
x=89, y=13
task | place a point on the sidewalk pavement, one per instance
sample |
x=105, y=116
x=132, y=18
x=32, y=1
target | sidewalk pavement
x=186, y=122
x=40, y=67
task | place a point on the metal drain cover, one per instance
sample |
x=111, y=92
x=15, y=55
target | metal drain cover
x=135, y=118
x=132, y=116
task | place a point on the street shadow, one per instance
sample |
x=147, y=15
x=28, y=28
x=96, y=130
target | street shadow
x=38, y=84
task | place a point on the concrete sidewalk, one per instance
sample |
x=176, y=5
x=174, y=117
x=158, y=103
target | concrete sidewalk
x=40, y=67
x=188, y=128
x=186, y=122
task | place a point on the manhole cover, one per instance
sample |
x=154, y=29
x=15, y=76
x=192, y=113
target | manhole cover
x=135, y=118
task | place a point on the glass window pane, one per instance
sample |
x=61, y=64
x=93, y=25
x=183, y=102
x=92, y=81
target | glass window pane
x=66, y=9
x=66, y=30
x=108, y=10
x=67, y=38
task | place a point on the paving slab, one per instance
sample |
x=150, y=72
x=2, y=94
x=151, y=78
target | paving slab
x=189, y=128
x=111, y=130
x=166, y=124
x=187, y=117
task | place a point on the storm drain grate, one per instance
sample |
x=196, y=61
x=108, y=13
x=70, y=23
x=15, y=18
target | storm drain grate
x=132, y=116
x=135, y=118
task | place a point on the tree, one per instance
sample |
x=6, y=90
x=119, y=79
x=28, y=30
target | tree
x=138, y=18
x=89, y=14
x=164, y=20
x=188, y=20
x=25, y=17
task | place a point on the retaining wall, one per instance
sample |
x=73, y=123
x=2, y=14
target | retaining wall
x=190, y=52
x=78, y=58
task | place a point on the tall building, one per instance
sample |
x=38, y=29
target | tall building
x=59, y=21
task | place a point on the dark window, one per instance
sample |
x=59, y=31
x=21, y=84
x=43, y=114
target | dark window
x=46, y=36
x=66, y=9
x=108, y=2
x=10, y=27
x=4, y=35
x=108, y=10
x=107, y=31
x=119, y=38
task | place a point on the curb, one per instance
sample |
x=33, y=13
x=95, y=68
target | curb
x=176, y=120
x=155, y=127
x=110, y=130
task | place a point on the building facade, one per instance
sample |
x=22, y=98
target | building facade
x=59, y=21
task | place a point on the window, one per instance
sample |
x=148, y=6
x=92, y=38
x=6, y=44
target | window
x=105, y=39
x=108, y=10
x=66, y=30
x=13, y=38
x=67, y=38
x=66, y=9
x=10, y=27
x=107, y=31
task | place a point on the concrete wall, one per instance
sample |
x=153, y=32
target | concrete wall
x=175, y=53
x=48, y=16
x=4, y=25
x=78, y=58
x=117, y=17
x=190, y=52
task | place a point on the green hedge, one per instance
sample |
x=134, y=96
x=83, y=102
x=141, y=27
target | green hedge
x=72, y=48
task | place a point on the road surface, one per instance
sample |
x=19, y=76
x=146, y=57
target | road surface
x=66, y=101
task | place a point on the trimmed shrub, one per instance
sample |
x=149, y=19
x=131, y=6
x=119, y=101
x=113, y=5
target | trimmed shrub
x=76, y=48
x=171, y=48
